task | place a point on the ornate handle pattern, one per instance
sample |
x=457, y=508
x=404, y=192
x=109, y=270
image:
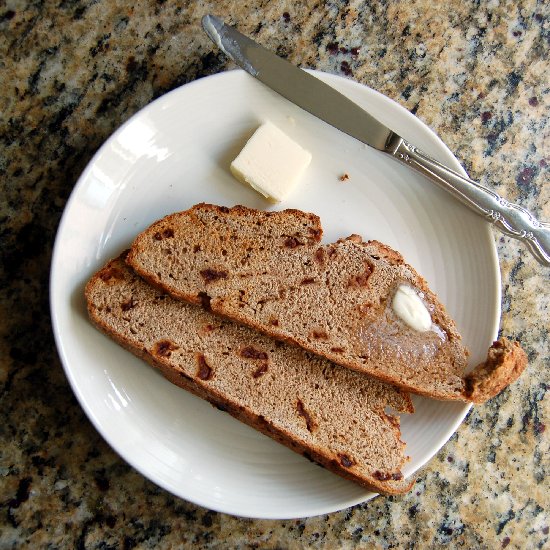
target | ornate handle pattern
x=511, y=219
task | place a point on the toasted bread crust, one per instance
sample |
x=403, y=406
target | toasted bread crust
x=505, y=361
x=173, y=337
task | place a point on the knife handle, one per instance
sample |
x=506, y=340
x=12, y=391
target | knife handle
x=511, y=219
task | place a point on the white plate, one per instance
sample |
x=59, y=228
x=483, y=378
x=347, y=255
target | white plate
x=175, y=153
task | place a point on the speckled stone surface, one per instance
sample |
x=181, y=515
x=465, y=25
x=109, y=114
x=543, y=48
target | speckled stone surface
x=72, y=71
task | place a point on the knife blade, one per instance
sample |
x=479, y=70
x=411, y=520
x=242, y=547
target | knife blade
x=306, y=91
x=324, y=102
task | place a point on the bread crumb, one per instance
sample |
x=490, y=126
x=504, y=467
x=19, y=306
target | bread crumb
x=344, y=177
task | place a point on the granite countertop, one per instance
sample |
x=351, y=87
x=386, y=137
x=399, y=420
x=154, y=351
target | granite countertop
x=72, y=71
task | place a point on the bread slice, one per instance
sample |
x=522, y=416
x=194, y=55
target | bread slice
x=269, y=271
x=327, y=413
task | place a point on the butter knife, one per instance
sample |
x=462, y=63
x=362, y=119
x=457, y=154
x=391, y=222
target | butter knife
x=322, y=101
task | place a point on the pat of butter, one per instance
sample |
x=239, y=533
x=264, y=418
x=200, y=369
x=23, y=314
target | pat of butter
x=408, y=306
x=271, y=162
